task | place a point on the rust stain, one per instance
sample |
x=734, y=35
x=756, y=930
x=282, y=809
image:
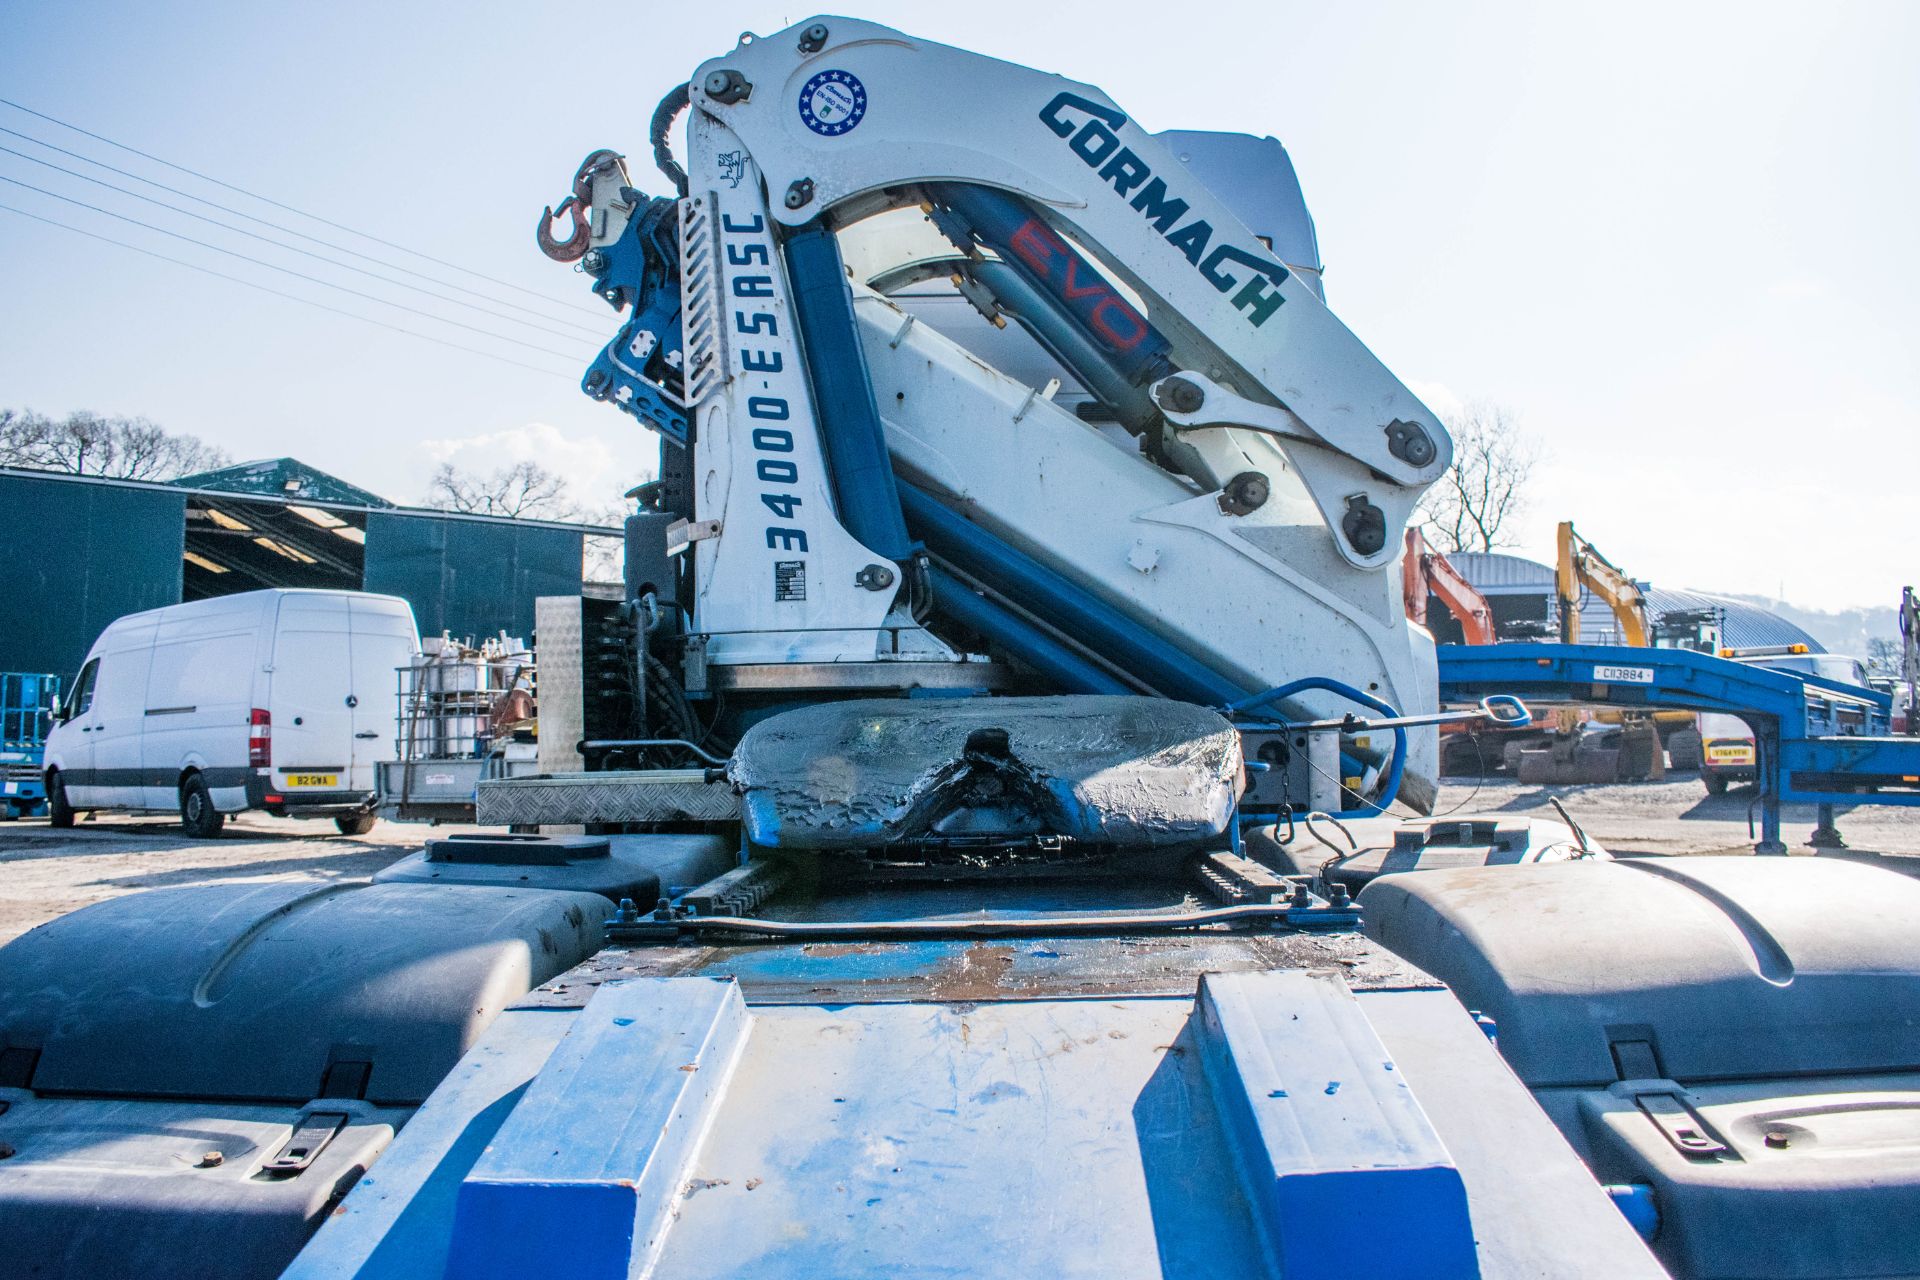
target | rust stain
x=975, y=975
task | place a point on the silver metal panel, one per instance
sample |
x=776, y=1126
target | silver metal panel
x=662, y=795
x=563, y=722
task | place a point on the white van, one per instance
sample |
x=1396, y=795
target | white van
x=279, y=700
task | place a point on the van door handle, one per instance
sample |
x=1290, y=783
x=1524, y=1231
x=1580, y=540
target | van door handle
x=371, y=733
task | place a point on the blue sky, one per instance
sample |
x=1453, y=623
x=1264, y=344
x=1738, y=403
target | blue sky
x=1676, y=240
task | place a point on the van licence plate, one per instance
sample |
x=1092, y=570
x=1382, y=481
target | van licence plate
x=313, y=780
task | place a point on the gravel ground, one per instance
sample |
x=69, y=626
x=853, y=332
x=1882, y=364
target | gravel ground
x=46, y=873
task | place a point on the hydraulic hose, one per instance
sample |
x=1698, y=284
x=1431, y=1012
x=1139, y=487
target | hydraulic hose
x=1329, y=685
x=663, y=116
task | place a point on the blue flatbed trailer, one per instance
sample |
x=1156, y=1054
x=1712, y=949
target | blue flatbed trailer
x=1817, y=741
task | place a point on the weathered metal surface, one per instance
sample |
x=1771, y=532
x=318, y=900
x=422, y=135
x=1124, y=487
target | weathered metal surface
x=1069, y=1138
x=587, y=1190
x=1126, y=771
x=984, y=972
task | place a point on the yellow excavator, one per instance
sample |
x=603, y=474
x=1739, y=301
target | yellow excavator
x=1637, y=753
x=1582, y=567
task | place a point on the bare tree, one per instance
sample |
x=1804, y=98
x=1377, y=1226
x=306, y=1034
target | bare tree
x=88, y=444
x=525, y=489
x=1884, y=656
x=1474, y=505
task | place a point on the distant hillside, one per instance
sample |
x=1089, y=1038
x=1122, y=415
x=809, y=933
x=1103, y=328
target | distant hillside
x=1846, y=631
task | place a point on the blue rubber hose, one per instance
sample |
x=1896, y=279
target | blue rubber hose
x=1328, y=684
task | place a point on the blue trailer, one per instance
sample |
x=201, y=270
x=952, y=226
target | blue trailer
x=27, y=703
x=1818, y=741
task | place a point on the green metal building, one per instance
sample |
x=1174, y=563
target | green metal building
x=84, y=550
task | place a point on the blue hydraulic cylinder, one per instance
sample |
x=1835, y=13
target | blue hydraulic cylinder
x=850, y=432
x=1077, y=612
x=1021, y=638
x=1099, y=311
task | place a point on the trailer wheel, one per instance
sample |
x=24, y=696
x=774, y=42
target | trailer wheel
x=59, y=812
x=354, y=824
x=198, y=817
x=1716, y=784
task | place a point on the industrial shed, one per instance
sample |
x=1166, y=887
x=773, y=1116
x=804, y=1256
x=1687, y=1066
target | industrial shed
x=1522, y=590
x=84, y=550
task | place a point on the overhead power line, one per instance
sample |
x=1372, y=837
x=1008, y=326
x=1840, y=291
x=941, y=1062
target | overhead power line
x=254, y=195
x=254, y=217
x=279, y=293
x=268, y=222
x=274, y=266
x=293, y=248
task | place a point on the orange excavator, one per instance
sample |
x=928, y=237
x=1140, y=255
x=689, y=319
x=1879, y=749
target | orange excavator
x=1426, y=572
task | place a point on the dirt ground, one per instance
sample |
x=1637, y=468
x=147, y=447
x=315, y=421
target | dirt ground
x=46, y=873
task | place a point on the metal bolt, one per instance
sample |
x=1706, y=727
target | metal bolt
x=875, y=577
x=594, y=261
x=6, y=1151
x=212, y=1160
x=727, y=86
x=1177, y=395
x=800, y=194
x=1777, y=1138
x=1409, y=442
x=1365, y=525
x=814, y=38
x=1246, y=492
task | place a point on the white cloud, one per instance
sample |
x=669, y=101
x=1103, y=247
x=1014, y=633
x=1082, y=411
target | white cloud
x=1439, y=397
x=595, y=475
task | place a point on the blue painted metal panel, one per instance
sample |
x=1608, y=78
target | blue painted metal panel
x=582, y=1176
x=1320, y=1121
x=850, y=430
x=1039, y=1137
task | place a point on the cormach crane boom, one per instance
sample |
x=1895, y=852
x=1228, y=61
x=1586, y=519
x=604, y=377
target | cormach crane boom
x=868, y=504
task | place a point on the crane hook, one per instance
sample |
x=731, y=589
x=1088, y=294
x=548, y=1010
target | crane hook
x=577, y=206
x=574, y=247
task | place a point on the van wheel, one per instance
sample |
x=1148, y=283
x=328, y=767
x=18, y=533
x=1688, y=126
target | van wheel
x=59, y=812
x=1716, y=784
x=198, y=817
x=355, y=824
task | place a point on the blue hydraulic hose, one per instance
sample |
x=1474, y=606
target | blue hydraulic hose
x=1329, y=685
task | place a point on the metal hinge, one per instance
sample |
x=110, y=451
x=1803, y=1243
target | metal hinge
x=310, y=1138
x=682, y=534
x=1681, y=1125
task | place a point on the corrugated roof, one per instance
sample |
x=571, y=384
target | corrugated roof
x=1497, y=575
x=288, y=479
